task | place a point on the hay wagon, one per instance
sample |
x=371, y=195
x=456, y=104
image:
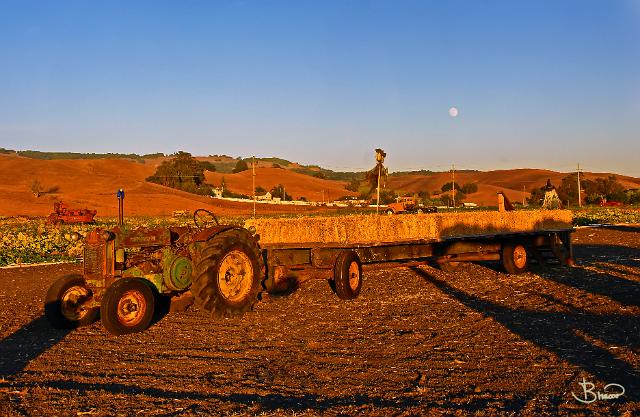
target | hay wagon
x=342, y=249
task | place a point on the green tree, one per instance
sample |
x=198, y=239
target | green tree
x=387, y=196
x=182, y=172
x=354, y=185
x=448, y=186
x=469, y=188
x=241, y=165
x=279, y=192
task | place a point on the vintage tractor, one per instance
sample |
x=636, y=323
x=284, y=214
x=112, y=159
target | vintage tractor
x=129, y=273
x=63, y=214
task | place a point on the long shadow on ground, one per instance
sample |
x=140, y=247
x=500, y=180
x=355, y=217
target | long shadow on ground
x=26, y=344
x=559, y=333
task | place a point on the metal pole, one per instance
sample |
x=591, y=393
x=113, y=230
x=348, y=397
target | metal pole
x=378, y=191
x=253, y=166
x=579, y=191
x=120, y=195
x=453, y=185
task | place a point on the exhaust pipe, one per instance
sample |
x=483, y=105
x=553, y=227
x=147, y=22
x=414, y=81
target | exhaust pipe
x=120, y=195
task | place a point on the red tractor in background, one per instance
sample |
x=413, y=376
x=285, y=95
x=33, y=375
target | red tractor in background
x=63, y=214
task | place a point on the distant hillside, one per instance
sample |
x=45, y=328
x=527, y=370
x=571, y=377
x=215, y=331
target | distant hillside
x=92, y=182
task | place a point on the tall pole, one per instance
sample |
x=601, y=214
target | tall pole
x=253, y=166
x=378, y=192
x=579, y=191
x=453, y=184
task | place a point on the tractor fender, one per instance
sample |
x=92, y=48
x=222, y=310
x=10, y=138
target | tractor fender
x=210, y=232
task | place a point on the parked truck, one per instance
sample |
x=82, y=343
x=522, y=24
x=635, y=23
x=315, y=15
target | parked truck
x=128, y=273
x=408, y=205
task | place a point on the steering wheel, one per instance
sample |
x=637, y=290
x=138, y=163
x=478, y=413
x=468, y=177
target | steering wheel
x=202, y=218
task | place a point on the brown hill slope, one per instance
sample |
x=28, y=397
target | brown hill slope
x=516, y=183
x=297, y=185
x=93, y=184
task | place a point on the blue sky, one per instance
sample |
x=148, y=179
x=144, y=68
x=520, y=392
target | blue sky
x=543, y=84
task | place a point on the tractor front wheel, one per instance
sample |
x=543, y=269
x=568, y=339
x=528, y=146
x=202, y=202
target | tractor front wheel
x=127, y=306
x=228, y=274
x=66, y=303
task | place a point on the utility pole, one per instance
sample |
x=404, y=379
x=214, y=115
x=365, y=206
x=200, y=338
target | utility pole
x=378, y=193
x=579, y=191
x=453, y=185
x=380, y=155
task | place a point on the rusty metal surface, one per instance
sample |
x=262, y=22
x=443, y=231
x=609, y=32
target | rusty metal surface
x=209, y=232
x=63, y=214
x=278, y=257
x=144, y=237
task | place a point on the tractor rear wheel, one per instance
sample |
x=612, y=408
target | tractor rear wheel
x=228, y=274
x=347, y=275
x=65, y=303
x=128, y=306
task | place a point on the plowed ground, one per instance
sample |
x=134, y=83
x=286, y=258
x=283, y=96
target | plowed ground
x=416, y=342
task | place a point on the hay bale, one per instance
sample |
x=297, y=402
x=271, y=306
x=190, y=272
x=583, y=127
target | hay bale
x=371, y=229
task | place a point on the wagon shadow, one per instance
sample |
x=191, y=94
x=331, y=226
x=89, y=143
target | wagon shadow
x=619, y=289
x=565, y=334
x=26, y=344
x=299, y=401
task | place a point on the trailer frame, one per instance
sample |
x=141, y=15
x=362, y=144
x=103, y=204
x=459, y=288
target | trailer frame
x=286, y=263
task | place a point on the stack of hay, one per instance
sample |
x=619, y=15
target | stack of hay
x=371, y=229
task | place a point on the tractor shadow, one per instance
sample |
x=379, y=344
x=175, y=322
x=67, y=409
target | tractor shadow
x=26, y=344
x=567, y=335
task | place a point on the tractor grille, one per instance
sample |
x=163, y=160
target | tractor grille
x=94, y=259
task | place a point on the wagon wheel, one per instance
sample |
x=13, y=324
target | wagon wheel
x=127, y=306
x=202, y=218
x=66, y=303
x=347, y=275
x=515, y=258
x=228, y=274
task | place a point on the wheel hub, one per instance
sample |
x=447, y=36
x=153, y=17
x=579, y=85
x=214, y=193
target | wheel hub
x=519, y=256
x=235, y=276
x=354, y=275
x=131, y=308
x=72, y=301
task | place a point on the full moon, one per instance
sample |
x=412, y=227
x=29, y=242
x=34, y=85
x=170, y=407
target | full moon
x=453, y=112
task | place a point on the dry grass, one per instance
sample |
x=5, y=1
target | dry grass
x=375, y=228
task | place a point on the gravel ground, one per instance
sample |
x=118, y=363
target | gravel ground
x=416, y=342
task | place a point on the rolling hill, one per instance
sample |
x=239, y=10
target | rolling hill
x=92, y=183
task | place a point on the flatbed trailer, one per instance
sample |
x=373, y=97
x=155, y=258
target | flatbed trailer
x=344, y=264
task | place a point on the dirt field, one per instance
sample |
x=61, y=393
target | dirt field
x=416, y=342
